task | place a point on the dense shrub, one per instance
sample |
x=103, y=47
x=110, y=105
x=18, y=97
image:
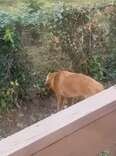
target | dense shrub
x=110, y=62
x=14, y=67
x=87, y=36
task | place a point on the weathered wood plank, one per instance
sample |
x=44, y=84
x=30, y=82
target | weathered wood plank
x=94, y=138
x=46, y=132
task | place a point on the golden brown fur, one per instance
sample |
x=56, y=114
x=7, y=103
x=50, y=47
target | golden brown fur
x=66, y=85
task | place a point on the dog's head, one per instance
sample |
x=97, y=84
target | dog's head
x=50, y=79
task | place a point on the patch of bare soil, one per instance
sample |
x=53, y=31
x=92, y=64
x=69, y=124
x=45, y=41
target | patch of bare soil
x=32, y=111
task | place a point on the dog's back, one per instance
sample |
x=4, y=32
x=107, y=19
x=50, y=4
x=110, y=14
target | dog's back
x=70, y=84
x=76, y=85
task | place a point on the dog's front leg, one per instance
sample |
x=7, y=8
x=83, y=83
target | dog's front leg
x=59, y=102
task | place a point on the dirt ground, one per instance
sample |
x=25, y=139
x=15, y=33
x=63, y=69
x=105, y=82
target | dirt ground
x=29, y=113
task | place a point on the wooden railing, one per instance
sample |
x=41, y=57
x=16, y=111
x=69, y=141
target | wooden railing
x=84, y=129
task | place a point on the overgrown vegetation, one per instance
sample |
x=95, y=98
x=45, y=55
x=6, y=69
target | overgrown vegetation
x=15, y=77
x=81, y=39
x=85, y=36
x=105, y=153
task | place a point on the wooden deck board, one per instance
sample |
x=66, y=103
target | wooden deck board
x=89, y=141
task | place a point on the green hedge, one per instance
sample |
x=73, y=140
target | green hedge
x=15, y=76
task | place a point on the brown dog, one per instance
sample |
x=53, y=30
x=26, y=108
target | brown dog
x=66, y=85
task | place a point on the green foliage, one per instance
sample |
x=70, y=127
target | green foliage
x=96, y=69
x=40, y=85
x=67, y=22
x=110, y=67
x=9, y=96
x=32, y=14
x=34, y=5
x=14, y=68
x=105, y=153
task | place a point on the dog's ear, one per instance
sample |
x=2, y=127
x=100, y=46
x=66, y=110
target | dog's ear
x=47, y=78
x=49, y=74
